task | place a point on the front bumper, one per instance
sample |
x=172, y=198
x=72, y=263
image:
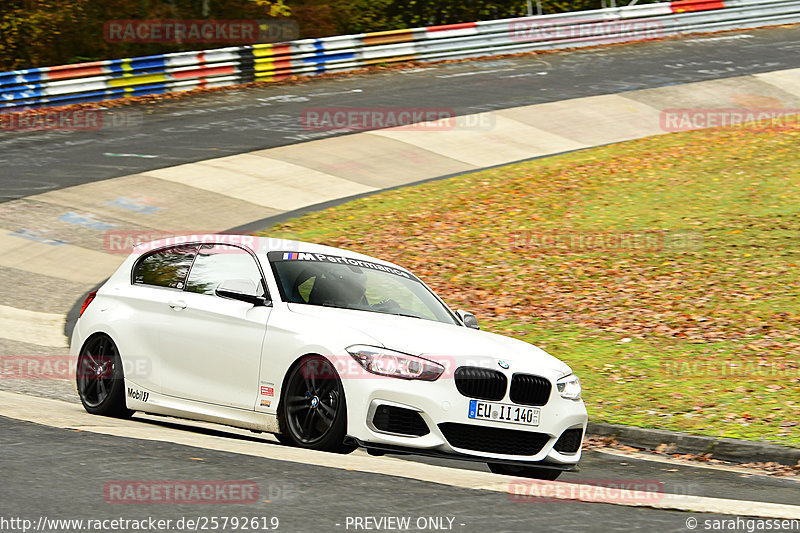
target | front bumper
x=440, y=402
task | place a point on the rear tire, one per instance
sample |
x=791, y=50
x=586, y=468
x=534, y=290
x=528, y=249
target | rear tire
x=313, y=412
x=548, y=474
x=100, y=378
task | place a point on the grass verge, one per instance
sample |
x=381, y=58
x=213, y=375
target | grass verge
x=663, y=270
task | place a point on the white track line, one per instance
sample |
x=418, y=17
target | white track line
x=66, y=415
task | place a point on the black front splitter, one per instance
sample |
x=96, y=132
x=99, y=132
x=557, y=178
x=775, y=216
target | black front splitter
x=382, y=449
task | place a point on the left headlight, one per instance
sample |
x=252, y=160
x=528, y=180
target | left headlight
x=569, y=387
x=395, y=364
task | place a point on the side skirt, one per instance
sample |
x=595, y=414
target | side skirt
x=145, y=401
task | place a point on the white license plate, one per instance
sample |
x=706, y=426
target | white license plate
x=503, y=412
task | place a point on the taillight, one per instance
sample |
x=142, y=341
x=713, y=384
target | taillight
x=87, y=301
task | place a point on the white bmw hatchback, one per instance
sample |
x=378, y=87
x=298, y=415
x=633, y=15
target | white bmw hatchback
x=326, y=348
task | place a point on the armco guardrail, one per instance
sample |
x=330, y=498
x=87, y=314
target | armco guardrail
x=118, y=78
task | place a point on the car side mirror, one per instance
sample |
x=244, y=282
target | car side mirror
x=244, y=290
x=468, y=319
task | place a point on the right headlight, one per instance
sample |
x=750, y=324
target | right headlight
x=569, y=387
x=395, y=364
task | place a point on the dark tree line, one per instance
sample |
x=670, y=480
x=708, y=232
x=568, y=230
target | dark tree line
x=52, y=32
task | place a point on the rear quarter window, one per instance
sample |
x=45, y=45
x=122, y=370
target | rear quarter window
x=167, y=267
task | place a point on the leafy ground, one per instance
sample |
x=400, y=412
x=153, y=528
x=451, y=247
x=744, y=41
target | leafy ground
x=692, y=323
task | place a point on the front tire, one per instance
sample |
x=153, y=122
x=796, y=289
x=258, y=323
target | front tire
x=100, y=378
x=548, y=474
x=313, y=407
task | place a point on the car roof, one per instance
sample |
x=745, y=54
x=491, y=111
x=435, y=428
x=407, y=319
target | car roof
x=258, y=245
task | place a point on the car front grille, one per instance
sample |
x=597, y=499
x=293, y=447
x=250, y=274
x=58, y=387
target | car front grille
x=481, y=383
x=569, y=441
x=493, y=440
x=527, y=389
x=399, y=420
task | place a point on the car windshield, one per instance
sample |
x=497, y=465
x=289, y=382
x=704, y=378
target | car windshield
x=346, y=283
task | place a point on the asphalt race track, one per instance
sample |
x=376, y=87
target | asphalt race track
x=235, y=122
x=295, y=482
x=305, y=499
x=57, y=462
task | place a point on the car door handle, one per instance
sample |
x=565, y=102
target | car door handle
x=177, y=305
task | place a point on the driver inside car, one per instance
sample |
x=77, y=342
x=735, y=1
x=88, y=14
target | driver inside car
x=339, y=291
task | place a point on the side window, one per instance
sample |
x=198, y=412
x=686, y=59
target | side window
x=216, y=263
x=165, y=268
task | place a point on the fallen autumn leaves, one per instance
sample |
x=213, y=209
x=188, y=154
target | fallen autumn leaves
x=714, y=319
